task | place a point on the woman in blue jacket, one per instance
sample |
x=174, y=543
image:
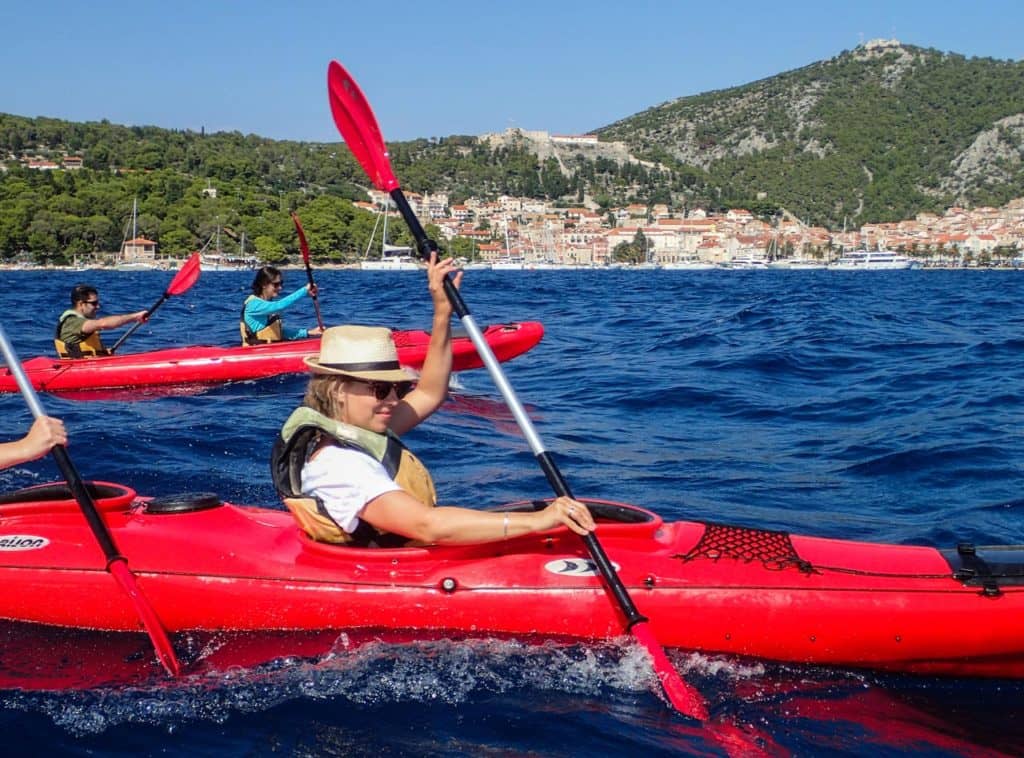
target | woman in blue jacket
x=261, y=321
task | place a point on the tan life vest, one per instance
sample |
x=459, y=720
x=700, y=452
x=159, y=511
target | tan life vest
x=299, y=438
x=272, y=332
x=87, y=347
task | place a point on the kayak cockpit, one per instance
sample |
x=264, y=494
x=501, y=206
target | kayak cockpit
x=58, y=498
x=990, y=567
x=615, y=521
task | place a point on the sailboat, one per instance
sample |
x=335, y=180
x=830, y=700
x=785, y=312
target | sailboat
x=510, y=262
x=137, y=253
x=392, y=257
x=776, y=257
x=217, y=261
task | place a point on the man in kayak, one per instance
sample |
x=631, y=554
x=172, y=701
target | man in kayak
x=338, y=462
x=78, y=329
x=43, y=435
x=261, y=320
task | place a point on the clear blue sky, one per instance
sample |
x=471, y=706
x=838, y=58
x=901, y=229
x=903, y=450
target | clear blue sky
x=439, y=68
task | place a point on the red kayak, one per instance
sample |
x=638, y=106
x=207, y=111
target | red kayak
x=207, y=364
x=207, y=566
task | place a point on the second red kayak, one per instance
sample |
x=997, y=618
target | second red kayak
x=210, y=364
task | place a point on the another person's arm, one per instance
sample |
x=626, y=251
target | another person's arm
x=296, y=333
x=258, y=312
x=43, y=435
x=264, y=309
x=91, y=325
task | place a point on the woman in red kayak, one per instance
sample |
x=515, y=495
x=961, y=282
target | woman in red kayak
x=43, y=435
x=261, y=313
x=339, y=463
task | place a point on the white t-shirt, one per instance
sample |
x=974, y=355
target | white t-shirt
x=345, y=480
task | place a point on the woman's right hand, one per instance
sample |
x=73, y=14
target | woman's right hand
x=437, y=270
x=568, y=512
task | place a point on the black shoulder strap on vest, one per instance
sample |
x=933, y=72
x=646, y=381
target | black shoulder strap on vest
x=286, y=465
x=288, y=458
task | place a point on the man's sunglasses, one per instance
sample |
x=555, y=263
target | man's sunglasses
x=381, y=390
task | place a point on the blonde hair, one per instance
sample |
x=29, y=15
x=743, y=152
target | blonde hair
x=322, y=394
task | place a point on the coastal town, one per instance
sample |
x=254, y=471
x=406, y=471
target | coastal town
x=512, y=231
x=517, y=232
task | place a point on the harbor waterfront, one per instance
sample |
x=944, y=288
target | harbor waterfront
x=882, y=407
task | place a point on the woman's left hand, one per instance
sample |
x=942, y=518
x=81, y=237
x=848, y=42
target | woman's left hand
x=567, y=511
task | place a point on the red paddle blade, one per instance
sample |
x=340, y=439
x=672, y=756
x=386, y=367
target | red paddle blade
x=303, y=245
x=164, y=651
x=684, y=697
x=187, y=275
x=358, y=127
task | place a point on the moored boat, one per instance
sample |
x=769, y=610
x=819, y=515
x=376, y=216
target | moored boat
x=204, y=565
x=210, y=364
x=873, y=260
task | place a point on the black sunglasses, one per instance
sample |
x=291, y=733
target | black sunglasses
x=381, y=390
x=92, y=302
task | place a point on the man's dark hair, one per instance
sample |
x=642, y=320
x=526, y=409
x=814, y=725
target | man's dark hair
x=82, y=292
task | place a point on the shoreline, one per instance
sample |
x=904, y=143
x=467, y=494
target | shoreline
x=526, y=268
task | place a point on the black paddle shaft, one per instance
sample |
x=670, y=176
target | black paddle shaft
x=137, y=324
x=426, y=246
x=87, y=504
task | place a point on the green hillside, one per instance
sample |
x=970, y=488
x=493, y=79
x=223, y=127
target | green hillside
x=879, y=133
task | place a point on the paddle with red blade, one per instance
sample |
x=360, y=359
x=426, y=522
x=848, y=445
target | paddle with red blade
x=187, y=275
x=117, y=564
x=304, y=246
x=358, y=126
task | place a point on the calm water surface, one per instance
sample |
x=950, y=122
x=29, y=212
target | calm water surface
x=883, y=406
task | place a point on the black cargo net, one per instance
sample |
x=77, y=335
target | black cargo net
x=773, y=549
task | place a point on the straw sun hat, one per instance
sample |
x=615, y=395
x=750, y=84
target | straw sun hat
x=363, y=352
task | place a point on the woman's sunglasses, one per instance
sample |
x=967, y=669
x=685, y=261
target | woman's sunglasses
x=381, y=390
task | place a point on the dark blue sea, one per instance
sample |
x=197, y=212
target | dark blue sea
x=882, y=406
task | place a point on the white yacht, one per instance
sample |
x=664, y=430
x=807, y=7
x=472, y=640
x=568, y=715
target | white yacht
x=509, y=263
x=879, y=260
x=689, y=263
x=748, y=261
x=393, y=258
x=797, y=263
